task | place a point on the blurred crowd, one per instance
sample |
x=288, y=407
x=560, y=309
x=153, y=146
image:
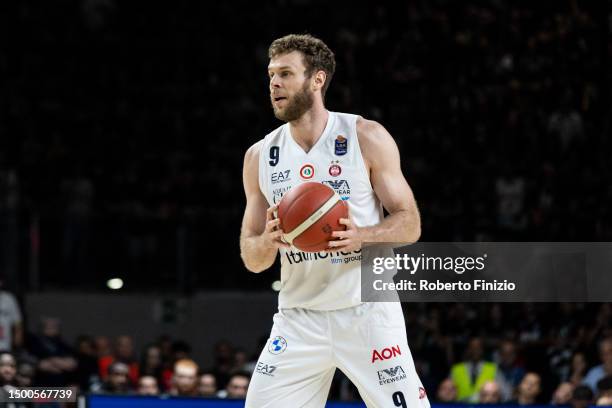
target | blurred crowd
x=124, y=127
x=522, y=354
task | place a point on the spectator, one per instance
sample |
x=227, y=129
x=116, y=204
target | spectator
x=604, y=369
x=185, y=378
x=604, y=387
x=11, y=329
x=25, y=374
x=605, y=401
x=117, y=379
x=151, y=363
x=490, y=393
x=563, y=394
x=124, y=353
x=470, y=375
x=582, y=397
x=237, y=386
x=147, y=385
x=207, y=385
x=511, y=373
x=578, y=368
x=56, y=362
x=102, y=346
x=447, y=392
x=529, y=389
x=224, y=362
x=8, y=369
x=87, y=363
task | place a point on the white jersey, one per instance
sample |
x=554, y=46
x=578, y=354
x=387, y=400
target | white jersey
x=320, y=281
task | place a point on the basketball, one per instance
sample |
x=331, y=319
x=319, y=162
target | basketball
x=309, y=213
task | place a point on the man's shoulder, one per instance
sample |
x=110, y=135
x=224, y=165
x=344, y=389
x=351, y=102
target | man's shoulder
x=370, y=131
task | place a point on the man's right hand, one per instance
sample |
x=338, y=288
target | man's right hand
x=273, y=235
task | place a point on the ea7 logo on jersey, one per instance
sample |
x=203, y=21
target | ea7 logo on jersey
x=391, y=375
x=386, y=353
x=280, y=176
x=265, y=369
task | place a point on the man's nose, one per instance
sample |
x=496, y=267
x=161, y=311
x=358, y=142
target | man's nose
x=275, y=82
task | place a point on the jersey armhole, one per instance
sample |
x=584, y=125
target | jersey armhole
x=358, y=152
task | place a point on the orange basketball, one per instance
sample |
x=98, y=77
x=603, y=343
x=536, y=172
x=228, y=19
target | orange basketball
x=309, y=213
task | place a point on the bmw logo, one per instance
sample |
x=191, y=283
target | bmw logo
x=277, y=345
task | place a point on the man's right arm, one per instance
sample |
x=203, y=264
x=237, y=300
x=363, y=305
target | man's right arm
x=260, y=236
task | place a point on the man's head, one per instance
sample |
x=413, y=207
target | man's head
x=529, y=388
x=25, y=374
x=582, y=397
x=300, y=70
x=238, y=385
x=605, y=354
x=185, y=377
x=118, y=376
x=475, y=349
x=507, y=353
x=50, y=327
x=490, y=393
x=563, y=394
x=447, y=391
x=124, y=348
x=604, y=386
x=207, y=385
x=147, y=385
x=8, y=368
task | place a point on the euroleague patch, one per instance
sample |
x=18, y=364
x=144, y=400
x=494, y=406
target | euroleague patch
x=277, y=345
x=340, y=145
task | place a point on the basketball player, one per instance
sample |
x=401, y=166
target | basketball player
x=321, y=324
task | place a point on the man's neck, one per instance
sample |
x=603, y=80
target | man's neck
x=308, y=129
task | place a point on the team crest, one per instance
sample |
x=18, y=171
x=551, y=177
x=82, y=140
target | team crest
x=335, y=169
x=307, y=171
x=340, y=146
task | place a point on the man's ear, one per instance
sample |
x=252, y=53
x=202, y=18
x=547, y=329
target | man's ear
x=319, y=80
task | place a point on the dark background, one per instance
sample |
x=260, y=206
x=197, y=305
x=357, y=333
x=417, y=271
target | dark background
x=123, y=126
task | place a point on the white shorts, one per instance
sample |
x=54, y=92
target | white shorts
x=367, y=342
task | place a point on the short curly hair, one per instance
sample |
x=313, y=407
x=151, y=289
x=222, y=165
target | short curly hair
x=316, y=54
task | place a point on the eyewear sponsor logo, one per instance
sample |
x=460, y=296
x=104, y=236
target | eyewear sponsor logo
x=391, y=375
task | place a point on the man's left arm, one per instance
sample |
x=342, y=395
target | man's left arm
x=382, y=159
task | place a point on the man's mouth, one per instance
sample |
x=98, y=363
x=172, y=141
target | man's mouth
x=279, y=98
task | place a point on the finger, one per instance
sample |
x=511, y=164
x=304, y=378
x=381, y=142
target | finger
x=277, y=234
x=340, y=234
x=272, y=224
x=339, y=244
x=345, y=221
x=270, y=212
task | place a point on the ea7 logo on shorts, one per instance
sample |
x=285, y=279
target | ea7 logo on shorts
x=391, y=375
x=265, y=369
x=277, y=345
x=280, y=176
x=386, y=353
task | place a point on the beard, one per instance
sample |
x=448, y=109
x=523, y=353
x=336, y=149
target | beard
x=296, y=106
